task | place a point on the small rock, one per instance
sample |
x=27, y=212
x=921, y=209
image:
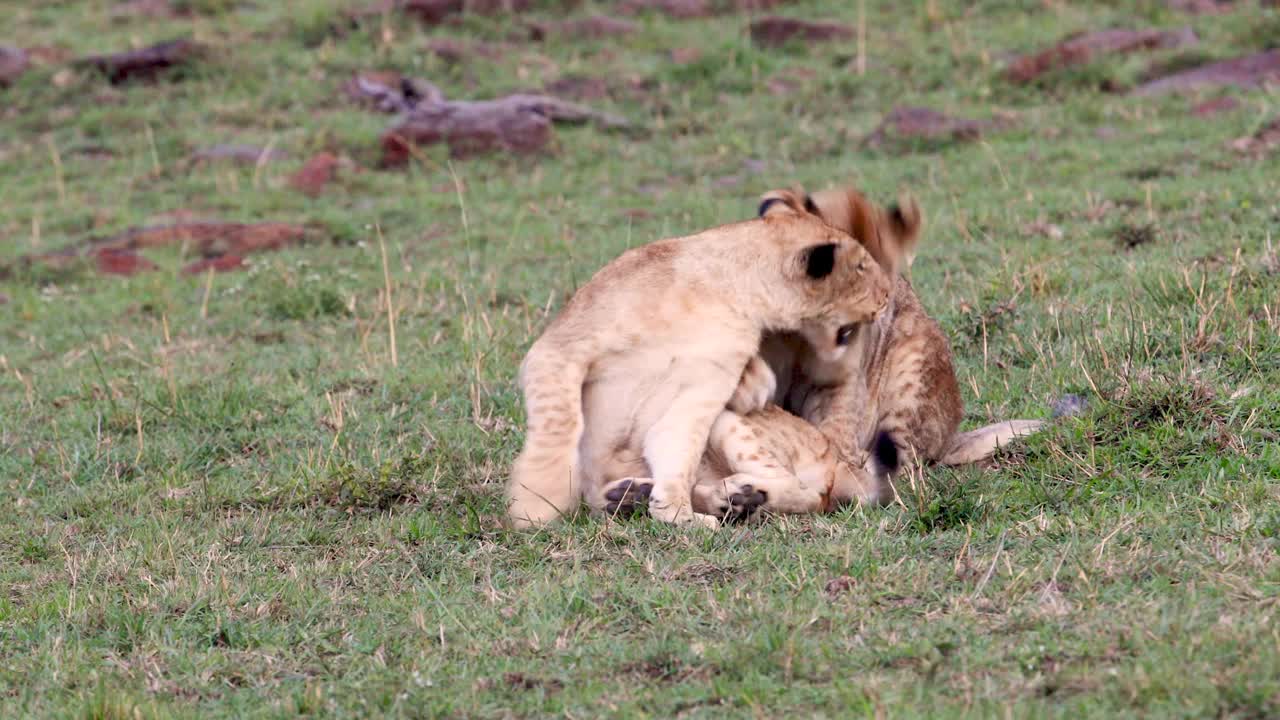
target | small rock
x=144, y=64
x=1249, y=71
x=219, y=264
x=588, y=28
x=836, y=587
x=112, y=261
x=1083, y=48
x=1044, y=229
x=775, y=31
x=311, y=178
x=13, y=63
x=1069, y=406
x=519, y=124
x=391, y=92
x=1216, y=106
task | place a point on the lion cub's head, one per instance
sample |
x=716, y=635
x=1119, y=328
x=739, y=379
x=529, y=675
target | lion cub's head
x=889, y=234
x=843, y=284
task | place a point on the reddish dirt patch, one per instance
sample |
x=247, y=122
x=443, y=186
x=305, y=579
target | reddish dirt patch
x=1216, y=106
x=680, y=9
x=588, y=28
x=686, y=9
x=918, y=123
x=789, y=81
x=1266, y=139
x=244, y=154
x=210, y=238
x=13, y=63
x=113, y=261
x=318, y=172
x=1249, y=71
x=518, y=124
x=774, y=31
x=685, y=55
x=220, y=264
x=144, y=64
x=1202, y=7
x=391, y=92
x=1083, y=48
x=154, y=9
x=223, y=246
x=430, y=12
x=435, y=12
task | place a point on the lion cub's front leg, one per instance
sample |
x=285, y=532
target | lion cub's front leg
x=674, y=445
x=756, y=387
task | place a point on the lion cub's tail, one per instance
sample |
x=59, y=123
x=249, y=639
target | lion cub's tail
x=545, y=482
x=975, y=445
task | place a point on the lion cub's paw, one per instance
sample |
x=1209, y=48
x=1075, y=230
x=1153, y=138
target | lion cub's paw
x=680, y=514
x=626, y=495
x=745, y=501
x=736, y=500
x=755, y=388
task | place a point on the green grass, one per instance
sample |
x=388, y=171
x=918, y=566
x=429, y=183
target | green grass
x=246, y=510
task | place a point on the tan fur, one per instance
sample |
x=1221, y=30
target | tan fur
x=898, y=376
x=630, y=377
x=780, y=455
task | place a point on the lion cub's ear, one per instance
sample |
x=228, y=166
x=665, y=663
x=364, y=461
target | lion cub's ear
x=790, y=202
x=889, y=235
x=819, y=260
x=905, y=221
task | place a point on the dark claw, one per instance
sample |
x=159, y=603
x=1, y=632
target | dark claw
x=617, y=493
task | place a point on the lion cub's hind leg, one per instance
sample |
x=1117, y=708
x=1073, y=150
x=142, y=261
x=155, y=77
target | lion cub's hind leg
x=759, y=452
x=545, y=482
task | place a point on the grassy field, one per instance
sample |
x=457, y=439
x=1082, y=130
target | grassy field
x=225, y=496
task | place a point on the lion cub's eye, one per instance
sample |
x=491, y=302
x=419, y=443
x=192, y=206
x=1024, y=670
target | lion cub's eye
x=845, y=334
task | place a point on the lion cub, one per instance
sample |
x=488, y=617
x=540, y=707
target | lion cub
x=897, y=379
x=640, y=362
x=768, y=459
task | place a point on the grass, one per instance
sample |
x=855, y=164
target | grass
x=223, y=499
